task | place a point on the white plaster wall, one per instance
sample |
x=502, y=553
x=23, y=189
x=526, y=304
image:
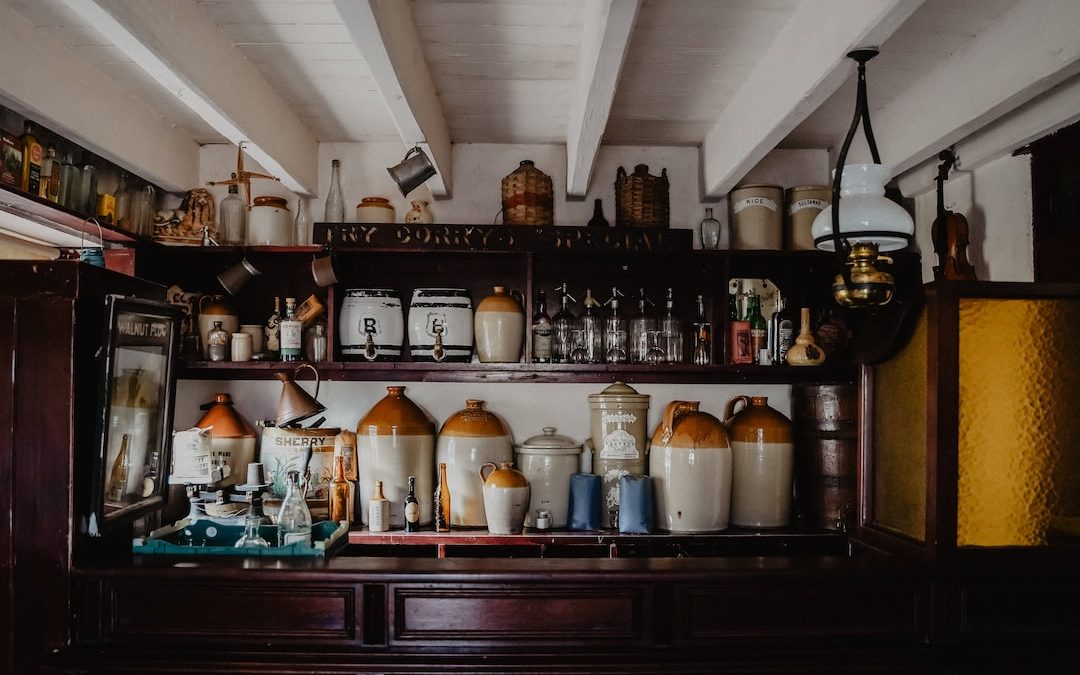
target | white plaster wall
x=996, y=201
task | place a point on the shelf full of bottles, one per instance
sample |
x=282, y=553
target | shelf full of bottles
x=588, y=317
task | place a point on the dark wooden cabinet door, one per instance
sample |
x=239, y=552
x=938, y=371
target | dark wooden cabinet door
x=1055, y=196
x=7, y=444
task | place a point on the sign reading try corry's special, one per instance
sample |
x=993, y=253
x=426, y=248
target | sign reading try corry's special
x=501, y=237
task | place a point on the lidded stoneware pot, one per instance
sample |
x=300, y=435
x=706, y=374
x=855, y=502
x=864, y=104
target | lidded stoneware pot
x=763, y=463
x=232, y=437
x=548, y=460
x=499, y=325
x=617, y=420
x=506, y=498
x=469, y=439
x=690, y=466
x=395, y=440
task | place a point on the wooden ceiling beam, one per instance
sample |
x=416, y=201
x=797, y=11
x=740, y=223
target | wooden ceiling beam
x=806, y=63
x=386, y=34
x=42, y=81
x=1030, y=50
x=178, y=45
x=605, y=40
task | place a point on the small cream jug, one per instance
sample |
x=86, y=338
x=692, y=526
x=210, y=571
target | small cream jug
x=506, y=498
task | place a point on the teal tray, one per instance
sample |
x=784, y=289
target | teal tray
x=209, y=538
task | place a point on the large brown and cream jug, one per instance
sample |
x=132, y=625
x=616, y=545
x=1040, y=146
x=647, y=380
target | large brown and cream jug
x=395, y=440
x=763, y=463
x=469, y=439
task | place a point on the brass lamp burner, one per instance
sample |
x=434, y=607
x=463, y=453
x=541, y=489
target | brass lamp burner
x=870, y=283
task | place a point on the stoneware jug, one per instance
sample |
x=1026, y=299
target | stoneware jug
x=469, y=439
x=506, y=498
x=395, y=440
x=690, y=465
x=215, y=308
x=500, y=326
x=762, y=461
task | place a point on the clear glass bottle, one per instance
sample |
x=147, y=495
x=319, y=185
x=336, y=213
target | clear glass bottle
x=442, y=501
x=562, y=328
x=272, y=329
x=302, y=223
x=217, y=342
x=713, y=234
x=378, y=510
x=251, y=537
x=69, y=181
x=291, y=331
x=334, y=211
x=86, y=195
x=232, y=228
x=50, y=175
x=615, y=331
x=671, y=331
x=294, y=518
x=702, y=334
x=341, y=493
x=592, y=332
x=638, y=328
x=143, y=200
x=412, y=508
x=315, y=343
x=542, y=331
x=759, y=329
x=123, y=203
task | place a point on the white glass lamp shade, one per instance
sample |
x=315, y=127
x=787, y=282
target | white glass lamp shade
x=866, y=215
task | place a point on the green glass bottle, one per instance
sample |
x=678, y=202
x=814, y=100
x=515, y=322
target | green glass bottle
x=759, y=329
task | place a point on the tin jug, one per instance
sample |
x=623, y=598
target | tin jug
x=619, y=439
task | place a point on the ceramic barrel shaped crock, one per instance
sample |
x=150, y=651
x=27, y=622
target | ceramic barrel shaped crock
x=441, y=325
x=395, y=440
x=469, y=439
x=763, y=463
x=690, y=466
x=371, y=325
x=500, y=327
x=506, y=498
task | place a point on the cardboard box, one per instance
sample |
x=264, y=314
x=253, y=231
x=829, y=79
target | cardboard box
x=10, y=160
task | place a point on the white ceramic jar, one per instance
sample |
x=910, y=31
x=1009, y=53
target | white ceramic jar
x=469, y=439
x=446, y=313
x=548, y=460
x=500, y=327
x=506, y=498
x=690, y=465
x=374, y=312
x=270, y=222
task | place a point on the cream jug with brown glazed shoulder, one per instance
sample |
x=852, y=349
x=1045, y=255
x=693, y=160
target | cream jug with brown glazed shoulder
x=763, y=463
x=506, y=498
x=469, y=439
x=619, y=441
x=690, y=466
x=499, y=327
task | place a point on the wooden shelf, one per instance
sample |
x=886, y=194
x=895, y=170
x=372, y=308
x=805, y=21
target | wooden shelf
x=61, y=219
x=522, y=372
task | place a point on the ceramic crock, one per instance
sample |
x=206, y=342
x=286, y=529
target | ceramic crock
x=548, y=460
x=233, y=439
x=374, y=312
x=374, y=210
x=690, y=466
x=270, y=222
x=215, y=308
x=395, y=440
x=469, y=439
x=499, y=326
x=763, y=463
x=619, y=440
x=757, y=217
x=506, y=498
x=442, y=316
x=803, y=204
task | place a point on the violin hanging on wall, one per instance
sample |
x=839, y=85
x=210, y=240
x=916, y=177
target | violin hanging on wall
x=950, y=232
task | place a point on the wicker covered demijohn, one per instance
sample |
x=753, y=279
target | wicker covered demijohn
x=527, y=196
x=641, y=200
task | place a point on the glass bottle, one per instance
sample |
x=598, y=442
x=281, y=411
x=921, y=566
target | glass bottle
x=232, y=228
x=341, y=492
x=86, y=194
x=118, y=477
x=378, y=510
x=638, y=329
x=598, y=219
x=335, y=203
x=671, y=331
x=251, y=537
x=143, y=200
x=615, y=350
x=272, y=329
x=123, y=203
x=784, y=320
x=442, y=501
x=294, y=518
x=30, y=181
x=315, y=343
x=562, y=328
x=50, y=175
x=702, y=334
x=217, y=342
x=302, y=223
x=290, y=330
x=759, y=329
x=542, y=330
x=69, y=181
x=412, y=508
x=591, y=345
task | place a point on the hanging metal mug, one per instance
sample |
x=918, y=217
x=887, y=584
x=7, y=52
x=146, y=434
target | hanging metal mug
x=411, y=172
x=236, y=276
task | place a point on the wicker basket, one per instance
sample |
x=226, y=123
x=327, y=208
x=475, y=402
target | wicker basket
x=527, y=197
x=641, y=200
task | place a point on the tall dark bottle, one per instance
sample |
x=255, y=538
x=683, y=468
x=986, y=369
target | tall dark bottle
x=542, y=331
x=412, y=508
x=759, y=329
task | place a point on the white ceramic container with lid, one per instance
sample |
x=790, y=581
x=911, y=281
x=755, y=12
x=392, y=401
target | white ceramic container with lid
x=548, y=460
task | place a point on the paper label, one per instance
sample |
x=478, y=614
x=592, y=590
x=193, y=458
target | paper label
x=818, y=204
x=747, y=202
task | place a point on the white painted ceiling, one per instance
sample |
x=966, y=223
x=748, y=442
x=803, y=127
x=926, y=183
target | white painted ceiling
x=505, y=70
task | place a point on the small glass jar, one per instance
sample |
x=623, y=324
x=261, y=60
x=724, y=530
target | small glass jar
x=713, y=236
x=217, y=342
x=315, y=343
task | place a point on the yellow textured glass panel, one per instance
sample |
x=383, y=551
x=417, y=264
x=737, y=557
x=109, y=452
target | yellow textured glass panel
x=1019, y=426
x=900, y=439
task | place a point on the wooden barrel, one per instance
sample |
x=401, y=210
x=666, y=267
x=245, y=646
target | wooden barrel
x=825, y=418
